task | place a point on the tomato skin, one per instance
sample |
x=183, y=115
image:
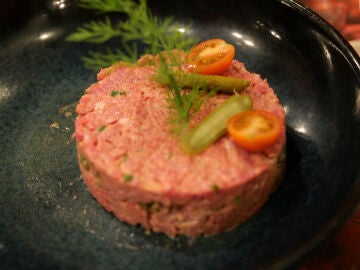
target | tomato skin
x=210, y=57
x=255, y=130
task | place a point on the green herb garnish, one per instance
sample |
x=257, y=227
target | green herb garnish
x=183, y=103
x=115, y=93
x=128, y=178
x=157, y=37
x=140, y=27
x=215, y=188
x=124, y=157
x=101, y=128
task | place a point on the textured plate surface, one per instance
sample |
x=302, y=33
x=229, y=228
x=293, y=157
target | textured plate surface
x=49, y=220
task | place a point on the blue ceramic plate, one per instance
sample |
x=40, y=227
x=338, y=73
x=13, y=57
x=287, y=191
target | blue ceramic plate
x=49, y=220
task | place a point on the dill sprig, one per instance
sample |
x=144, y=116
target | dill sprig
x=141, y=26
x=155, y=36
x=104, y=59
x=104, y=6
x=95, y=32
x=184, y=104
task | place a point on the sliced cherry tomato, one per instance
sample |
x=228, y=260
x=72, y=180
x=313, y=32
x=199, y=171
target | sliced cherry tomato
x=254, y=130
x=212, y=57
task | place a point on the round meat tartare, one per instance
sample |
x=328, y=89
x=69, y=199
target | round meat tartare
x=135, y=168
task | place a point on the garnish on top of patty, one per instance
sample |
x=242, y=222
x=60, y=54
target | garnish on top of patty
x=166, y=46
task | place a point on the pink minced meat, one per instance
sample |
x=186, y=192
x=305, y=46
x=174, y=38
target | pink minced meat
x=136, y=169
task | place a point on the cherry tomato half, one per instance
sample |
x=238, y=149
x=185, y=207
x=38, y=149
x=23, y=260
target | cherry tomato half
x=211, y=57
x=254, y=130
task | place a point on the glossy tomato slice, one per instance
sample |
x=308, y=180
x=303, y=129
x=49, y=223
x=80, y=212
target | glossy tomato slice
x=254, y=130
x=211, y=57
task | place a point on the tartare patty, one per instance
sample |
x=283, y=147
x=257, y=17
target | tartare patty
x=135, y=168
